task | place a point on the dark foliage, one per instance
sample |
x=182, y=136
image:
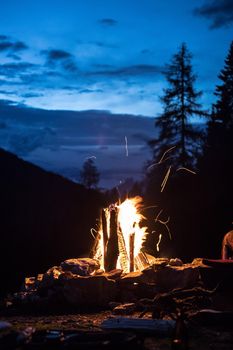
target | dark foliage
x=45, y=218
x=223, y=109
x=89, y=174
x=200, y=206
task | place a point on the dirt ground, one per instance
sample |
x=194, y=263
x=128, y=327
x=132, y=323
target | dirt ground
x=199, y=337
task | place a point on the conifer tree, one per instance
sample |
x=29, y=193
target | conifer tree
x=224, y=92
x=89, y=174
x=180, y=105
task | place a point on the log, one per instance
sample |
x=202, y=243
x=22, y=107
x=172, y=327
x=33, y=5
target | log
x=131, y=252
x=112, y=246
x=105, y=235
x=124, y=260
x=156, y=326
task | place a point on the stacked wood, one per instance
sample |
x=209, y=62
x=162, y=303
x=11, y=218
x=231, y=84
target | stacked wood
x=112, y=245
x=123, y=253
x=131, y=252
x=105, y=235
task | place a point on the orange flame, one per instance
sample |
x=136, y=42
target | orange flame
x=129, y=220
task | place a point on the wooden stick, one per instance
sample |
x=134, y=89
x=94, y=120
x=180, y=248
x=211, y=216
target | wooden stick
x=131, y=252
x=124, y=260
x=105, y=235
x=112, y=246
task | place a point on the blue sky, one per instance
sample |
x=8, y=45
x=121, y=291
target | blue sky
x=103, y=59
x=107, y=54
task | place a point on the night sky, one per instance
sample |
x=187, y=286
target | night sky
x=105, y=55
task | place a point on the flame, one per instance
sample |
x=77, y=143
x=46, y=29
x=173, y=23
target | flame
x=130, y=234
x=129, y=220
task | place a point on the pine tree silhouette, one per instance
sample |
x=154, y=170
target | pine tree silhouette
x=180, y=105
x=89, y=174
x=224, y=105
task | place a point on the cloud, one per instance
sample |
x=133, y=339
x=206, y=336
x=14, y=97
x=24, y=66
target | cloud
x=24, y=143
x=32, y=95
x=56, y=54
x=108, y=22
x=14, y=56
x=90, y=91
x=3, y=37
x=11, y=70
x=219, y=12
x=134, y=70
x=8, y=44
x=105, y=45
x=61, y=57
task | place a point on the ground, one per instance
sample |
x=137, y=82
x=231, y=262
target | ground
x=199, y=337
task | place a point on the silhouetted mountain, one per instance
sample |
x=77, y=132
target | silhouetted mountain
x=44, y=218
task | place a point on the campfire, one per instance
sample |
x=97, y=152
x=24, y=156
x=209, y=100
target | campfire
x=121, y=236
x=119, y=274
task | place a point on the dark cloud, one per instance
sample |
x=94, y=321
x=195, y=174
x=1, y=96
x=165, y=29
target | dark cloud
x=54, y=54
x=90, y=91
x=24, y=143
x=11, y=70
x=8, y=44
x=4, y=92
x=219, y=12
x=108, y=22
x=103, y=66
x=31, y=95
x=4, y=37
x=134, y=70
x=105, y=45
x=61, y=57
x=14, y=56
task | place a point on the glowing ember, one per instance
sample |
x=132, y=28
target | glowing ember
x=130, y=235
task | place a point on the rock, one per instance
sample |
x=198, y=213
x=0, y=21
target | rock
x=49, y=280
x=67, y=275
x=99, y=272
x=113, y=274
x=132, y=277
x=175, y=262
x=125, y=309
x=89, y=291
x=53, y=273
x=80, y=266
x=29, y=283
x=198, y=262
x=173, y=277
x=157, y=262
x=113, y=304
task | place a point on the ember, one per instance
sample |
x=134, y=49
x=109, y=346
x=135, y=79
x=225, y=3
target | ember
x=121, y=236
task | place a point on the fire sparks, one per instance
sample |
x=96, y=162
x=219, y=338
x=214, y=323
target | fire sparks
x=157, y=245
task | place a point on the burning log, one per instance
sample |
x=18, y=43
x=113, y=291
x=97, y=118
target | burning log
x=131, y=252
x=105, y=235
x=123, y=252
x=112, y=245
